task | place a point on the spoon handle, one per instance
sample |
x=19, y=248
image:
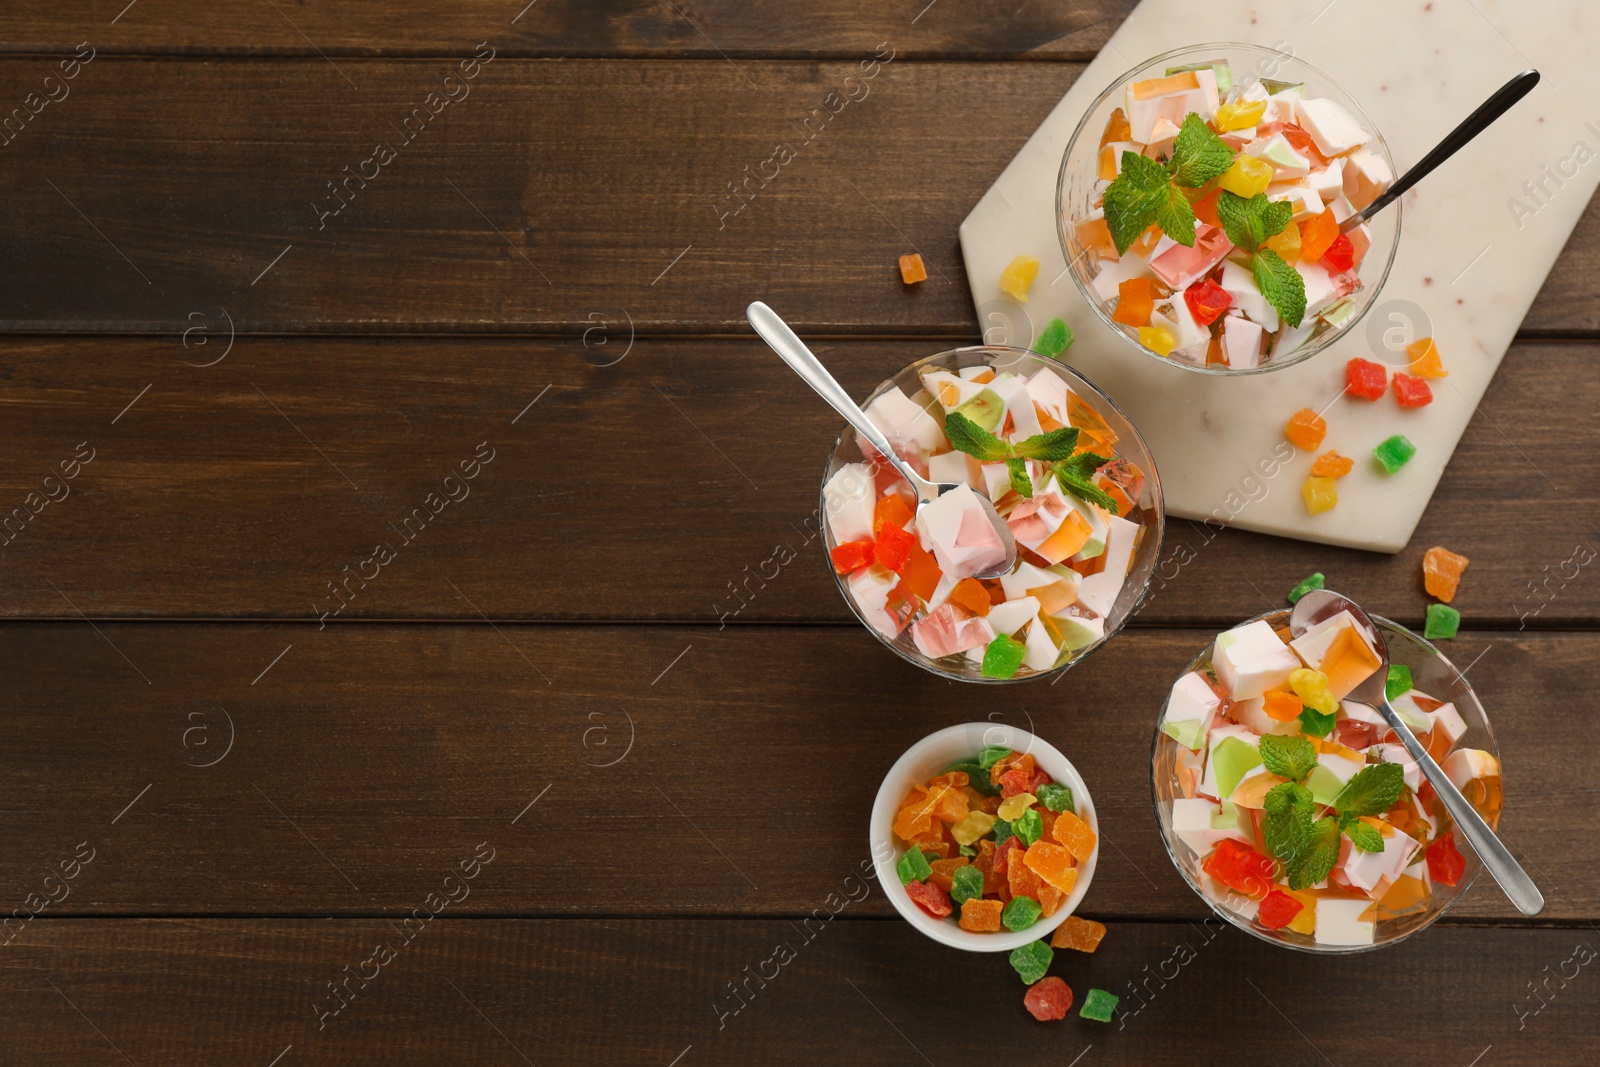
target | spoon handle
x=1474, y=124
x=794, y=352
x=1513, y=880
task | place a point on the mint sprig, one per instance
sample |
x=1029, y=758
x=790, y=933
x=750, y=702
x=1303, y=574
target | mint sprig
x=1362, y=835
x=1316, y=862
x=1373, y=790
x=1198, y=154
x=1249, y=224
x=1076, y=476
x=967, y=436
x=1290, y=828
x=1148, y=191
x=1291, y=757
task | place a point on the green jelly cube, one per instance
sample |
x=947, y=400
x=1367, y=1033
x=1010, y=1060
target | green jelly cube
x=1033, y=959
x=1394, y=452
x=1020, y=914
x=1314, y=723
x=1232, y=759
x=991, y=755
x=1324, y=785
x=1004, y=657
x=1227, y=818
x=1055, y=797
x=1190, y=733
x=1099, y=1005
x=966, y=883
x=1054, y=340
x=1305, y=586
x=1029, y=826
x=913, y=867
x=1399, y=681
x=1443, y=622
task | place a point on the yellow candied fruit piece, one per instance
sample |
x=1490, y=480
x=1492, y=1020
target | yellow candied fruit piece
x=1312, y=689
x=1247, y=177
x=1011, y=808
x=974, y=826
x=1286, y=242
x=1018, y=277
x=1306, y=921
x=1320, y=493
x=1240, y=116
x=1158, y=340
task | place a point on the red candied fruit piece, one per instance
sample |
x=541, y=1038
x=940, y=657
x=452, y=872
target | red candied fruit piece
x=1048, y=999
x=930, y=898
x=1207, y=301
x=1278, y=910
x=851, y=556
x=1412, y=391
x=1002, y=853
x=1341, y=255
x=893, y=547
x=1018, y=780
x=1365, y=379
x=1240, y=868
x=1445, y=862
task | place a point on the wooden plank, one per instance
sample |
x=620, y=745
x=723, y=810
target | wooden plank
x=617, y=770
x=622, y=991
x=553, y=191
x=712, y=30
x=222, y=491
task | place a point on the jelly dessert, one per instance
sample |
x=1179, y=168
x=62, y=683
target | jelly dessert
x=1298, y=809
x=1048, y=462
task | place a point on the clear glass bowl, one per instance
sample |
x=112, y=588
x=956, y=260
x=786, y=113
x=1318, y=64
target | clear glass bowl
x=1432, y=674
x=1130, y=446
x=1077, y=188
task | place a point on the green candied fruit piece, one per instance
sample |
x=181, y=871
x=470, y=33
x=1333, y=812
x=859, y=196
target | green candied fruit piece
x=1394, y=452
x=1443, y=622
x=977, y=777
x=1305, y=586
x=1055, y=339
x=1020, y=914
x=1399, y=681
x=967, y=851
x=1099, y=1005
x=966, y=883
x=991, y=755
x=1001, y=830
x=1029, y=826
x=1004, y=657
x=1033, y=959
x=913, y=867
x=1314, y=723
x=1055, y=796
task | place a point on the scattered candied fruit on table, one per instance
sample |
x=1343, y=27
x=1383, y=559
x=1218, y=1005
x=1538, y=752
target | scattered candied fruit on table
x=1031, y=961
x=1412, y=391
x=1018, y=277
x=1306, y=585
x=1306, y=429
x=1441, y=572
x=911, y=269
x=1332, y=465
x=1099, y=1004
x=1048, y=999
x=1365, y=379
x=1135, y=300
x=1394, y=452
x=1320, y=494
x=1081, y=935
x=1054, y=339
x=1441, y=622
x=1425, y=362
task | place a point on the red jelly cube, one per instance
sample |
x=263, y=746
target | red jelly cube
x=1365, y=379
x=1341, y=255
x=1240, y=868
x=1207, y=301
x=1278, y=910
x=893, y=547
x=930, y=898
x=1445, y=862
x=1048, y=999
x=1412, y=391
x=851, y=556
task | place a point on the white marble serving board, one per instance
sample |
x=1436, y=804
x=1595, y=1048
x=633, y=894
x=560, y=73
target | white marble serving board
x=1418, y=68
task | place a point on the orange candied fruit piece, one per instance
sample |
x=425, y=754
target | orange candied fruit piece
x=1281, y=706
x=1306, y=429
x=920, y=575
x=1135, y=301
x=1053, y=864
x=944, y=872
x=981, y=915
x=891, y=510
x=1441, y=572
x=1084, y=935
x=970, y=594
x=1425, y=359
x=1118, y=128
x=1317, y=235
x=911, y=269
x=1075, y=834
x=1332, y=465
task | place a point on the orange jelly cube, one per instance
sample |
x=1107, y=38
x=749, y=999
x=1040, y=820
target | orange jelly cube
x=1076, y=835
x=1332, y=465
x=1306, y=429
x=920, y=575
x=1317, y=235
x=1093, y=431
x=1441, y=572
x=1135, y=300
x=1053, y=864
x=970, y=594
x=1281, y=706
x=981, y=915
x=1117, y=128
x=1083, y=935
x=911, y=269
x=1069, y=538
x=1095, y=235
x=1425, y=359
x=891, y=510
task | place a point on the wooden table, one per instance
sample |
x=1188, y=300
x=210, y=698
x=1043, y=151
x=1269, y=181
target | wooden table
x=393, y=649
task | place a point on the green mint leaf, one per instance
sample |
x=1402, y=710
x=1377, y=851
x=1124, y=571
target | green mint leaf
x=1281, y=797
x=1281, y=284
x=1049, y=447
x=1364, y=837
x=1314, y=723
x=1288, y=757
x=1083, y=465
x=1018, y=469
x=1372, y=791
x=1134, y=197
x=1084, y=489
x=1175, y=216
x=1274, y=215
x=1198, y=154
x=1234, y=212
x=1290, y=832
x=967, y=436
x=1316, y=861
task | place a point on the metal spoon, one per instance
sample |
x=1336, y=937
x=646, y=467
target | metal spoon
x=1454, y=141
x=794, y=352
x=1322, y=604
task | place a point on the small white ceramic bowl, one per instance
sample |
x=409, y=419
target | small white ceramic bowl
x=927, y=758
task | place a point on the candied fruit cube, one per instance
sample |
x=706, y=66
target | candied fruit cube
x=981, y=916
x=1281, y=706
x=1135, y=300
x=1020, y=914
x=1054, y=339
x=1441, y=572
x=1018, y=277
x=1207, y=301
x=1425, y=361
x=930, y=898
x=1032, y=960
x=1312, y=689
x=1321, y=494
x=969, y=593
x=1278, y=909
x=1445, y=862
x=1240, y=116
x=1306, y=429
x=1158, y=339
x=1365, y=379
x=920, y=574
x=966, y=882
x=893, y=547
x=972, y=828
x=1411, y=391
x=913, y=867
x=1053, y=864
x=1099, y=1004
x=1332, y=465
x=1076, y=834
x=1239, y=867
x=1394, y=452
x=943, y=872
x=1082, y=935
x=1317, y=235
x=1306, y=585
x=1441, y=623
x=1003, y=657
x=1247, y=177
x=851, y=556
x=1055, y=797
x=1048, y=999
x=1398, y=682
x=1013, y=806
x=911, y=269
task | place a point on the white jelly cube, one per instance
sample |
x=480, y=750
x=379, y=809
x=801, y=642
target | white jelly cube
x=851, y=497
x=1191, y=709
x=1098, y=592
x=1250, y=659
x=905, y=423
x=1341, y=921
x=1333, y=129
